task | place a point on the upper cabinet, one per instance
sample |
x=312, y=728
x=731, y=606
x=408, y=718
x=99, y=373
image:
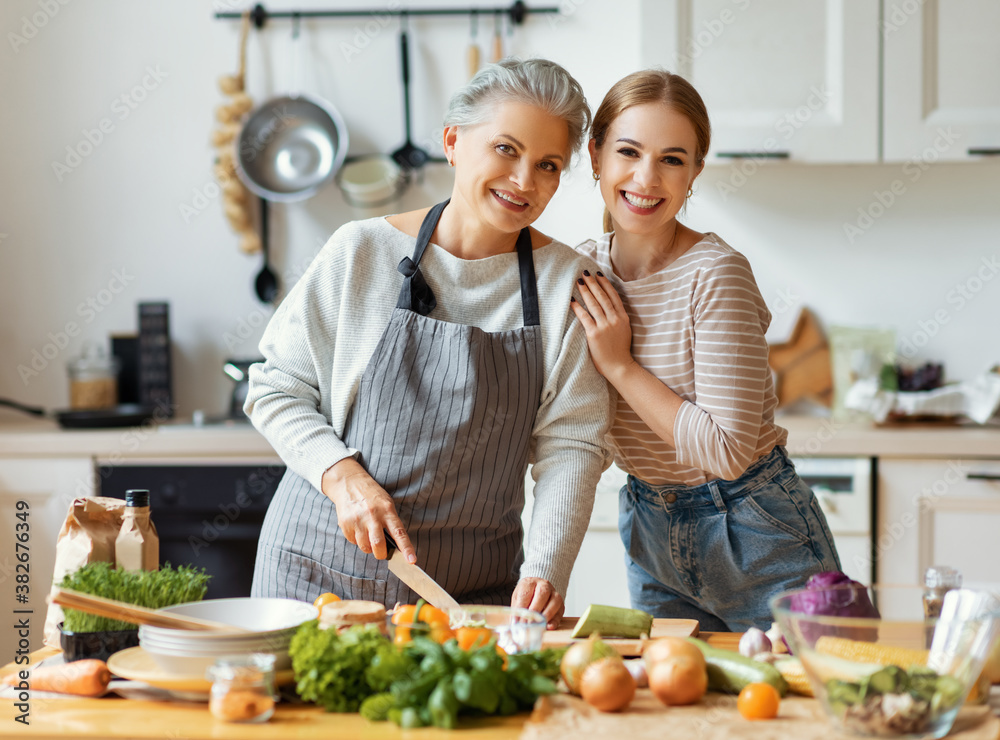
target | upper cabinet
x=836, y=80
x=942, y=79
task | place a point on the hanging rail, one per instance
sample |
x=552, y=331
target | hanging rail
x=260, y=14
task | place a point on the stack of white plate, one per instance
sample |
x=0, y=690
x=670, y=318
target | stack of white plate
x=190, y=652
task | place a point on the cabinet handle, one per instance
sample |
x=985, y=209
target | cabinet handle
x=984, y=151
x=753, y=155
x=983, y=476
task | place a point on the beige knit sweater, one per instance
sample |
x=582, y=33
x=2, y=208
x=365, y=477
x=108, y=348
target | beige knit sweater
x=323, y=334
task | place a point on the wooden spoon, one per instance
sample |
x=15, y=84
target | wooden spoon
x=133, y=614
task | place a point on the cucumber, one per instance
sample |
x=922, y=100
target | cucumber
x=613, y=621
x=729, y=672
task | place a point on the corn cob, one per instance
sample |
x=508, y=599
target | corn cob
x=795, y=676
x=860, y=651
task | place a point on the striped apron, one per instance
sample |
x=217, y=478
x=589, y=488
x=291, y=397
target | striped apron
x=442, y=420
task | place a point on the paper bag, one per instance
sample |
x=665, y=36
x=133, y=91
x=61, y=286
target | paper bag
x=87, y=536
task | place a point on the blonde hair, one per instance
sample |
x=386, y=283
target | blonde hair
x=653, y=86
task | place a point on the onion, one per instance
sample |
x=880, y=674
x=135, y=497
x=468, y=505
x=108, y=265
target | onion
x=666, y=648
x=582, y=654
x=607, y=685
x=678, y=680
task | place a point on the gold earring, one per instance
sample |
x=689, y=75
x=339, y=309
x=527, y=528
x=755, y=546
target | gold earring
x=596, y=177
x=451, y=162
x=690, y=192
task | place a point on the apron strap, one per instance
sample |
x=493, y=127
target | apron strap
x=416, y=295
x=529, y=288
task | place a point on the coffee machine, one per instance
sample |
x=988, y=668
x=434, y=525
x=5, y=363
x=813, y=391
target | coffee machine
x=239, y=371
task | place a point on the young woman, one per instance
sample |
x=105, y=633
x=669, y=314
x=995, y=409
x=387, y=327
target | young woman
x=714, y=519
x=420, y=362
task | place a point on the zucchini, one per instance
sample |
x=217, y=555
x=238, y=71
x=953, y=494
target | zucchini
x=729, y=672
x=613, y=621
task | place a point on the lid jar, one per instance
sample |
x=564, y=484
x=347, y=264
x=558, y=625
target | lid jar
x=93, y=380
x=242, y=688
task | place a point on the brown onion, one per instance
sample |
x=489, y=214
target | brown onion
x=678, y=680
x=580, y=655
x=607, y=685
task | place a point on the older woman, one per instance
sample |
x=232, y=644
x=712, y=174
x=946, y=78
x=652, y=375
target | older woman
x=424, y=359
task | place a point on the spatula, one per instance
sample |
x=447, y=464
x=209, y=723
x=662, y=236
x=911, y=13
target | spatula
x=134, y=614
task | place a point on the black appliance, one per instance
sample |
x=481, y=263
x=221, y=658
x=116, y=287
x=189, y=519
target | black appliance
x=208, y=516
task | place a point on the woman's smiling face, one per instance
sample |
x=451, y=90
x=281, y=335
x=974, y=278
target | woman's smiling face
x=508, y=168
x=647, y=164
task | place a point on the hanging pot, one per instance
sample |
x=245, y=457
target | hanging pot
x=290, y=147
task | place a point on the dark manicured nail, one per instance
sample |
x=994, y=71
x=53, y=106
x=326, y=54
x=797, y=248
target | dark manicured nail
x=580, y=280
x=572, y=299
x=600, y=274
x=586, y=273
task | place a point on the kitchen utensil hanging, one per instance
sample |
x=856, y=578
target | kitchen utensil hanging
x=409, y=156
x=474, y=59
x=288, y=149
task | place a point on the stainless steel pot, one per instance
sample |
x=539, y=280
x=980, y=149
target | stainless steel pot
x=290, y=147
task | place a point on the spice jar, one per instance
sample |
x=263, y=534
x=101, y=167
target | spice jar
x=242, y=688
x=93, y=380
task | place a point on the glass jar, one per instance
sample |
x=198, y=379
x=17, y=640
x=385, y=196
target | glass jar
x=242, y=688
x=93, y=380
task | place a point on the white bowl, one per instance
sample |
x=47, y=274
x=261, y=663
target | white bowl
x=273, y=621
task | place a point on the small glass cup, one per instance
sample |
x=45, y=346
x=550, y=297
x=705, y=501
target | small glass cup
x=243, y=688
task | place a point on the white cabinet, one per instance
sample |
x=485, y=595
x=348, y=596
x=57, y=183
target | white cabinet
x=942, y=80
x=48, y=486
x=937, y=512
x=784, y=79
x=800, y=80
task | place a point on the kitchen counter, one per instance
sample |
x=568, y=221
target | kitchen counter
x=808, y=436
x=43, y=438
x=113, y=717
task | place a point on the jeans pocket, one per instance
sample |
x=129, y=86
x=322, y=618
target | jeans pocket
x=775, y=509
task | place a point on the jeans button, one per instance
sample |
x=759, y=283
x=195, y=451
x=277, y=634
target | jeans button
x=671, y=497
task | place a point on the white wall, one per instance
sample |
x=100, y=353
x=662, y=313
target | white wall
x=64, y=237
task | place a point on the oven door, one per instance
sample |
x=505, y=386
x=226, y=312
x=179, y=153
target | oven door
x=207, y=516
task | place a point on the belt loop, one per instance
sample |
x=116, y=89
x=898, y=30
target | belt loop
x=713, y=486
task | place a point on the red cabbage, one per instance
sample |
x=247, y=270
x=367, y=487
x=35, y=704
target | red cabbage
x=834, y=594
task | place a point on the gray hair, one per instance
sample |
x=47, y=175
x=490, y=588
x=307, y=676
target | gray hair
x=538, y=82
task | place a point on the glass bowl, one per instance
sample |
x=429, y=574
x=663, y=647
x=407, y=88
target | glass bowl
x=893, y=675
x=517, y=630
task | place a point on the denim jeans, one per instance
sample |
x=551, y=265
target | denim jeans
x=717, y=552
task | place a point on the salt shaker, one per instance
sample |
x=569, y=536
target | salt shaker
x=242, y=688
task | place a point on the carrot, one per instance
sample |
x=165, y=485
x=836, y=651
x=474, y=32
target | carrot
x=81, y=678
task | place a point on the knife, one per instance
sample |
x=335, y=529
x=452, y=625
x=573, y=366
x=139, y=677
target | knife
x=416, y=578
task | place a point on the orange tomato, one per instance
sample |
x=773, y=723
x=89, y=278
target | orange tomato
x=432, y=615
x=403, y=614
x=758, y=701
x=470, y=638
x=324, y=599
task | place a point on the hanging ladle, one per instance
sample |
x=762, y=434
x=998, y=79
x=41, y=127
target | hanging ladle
x=266, y=283
x=409, y=156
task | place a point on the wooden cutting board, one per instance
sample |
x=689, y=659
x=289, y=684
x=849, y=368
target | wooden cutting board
x=628, y=647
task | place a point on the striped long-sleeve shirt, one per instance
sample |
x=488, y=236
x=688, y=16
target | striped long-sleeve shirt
x=697, y=325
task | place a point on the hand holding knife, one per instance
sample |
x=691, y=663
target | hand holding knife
x=416, y=577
